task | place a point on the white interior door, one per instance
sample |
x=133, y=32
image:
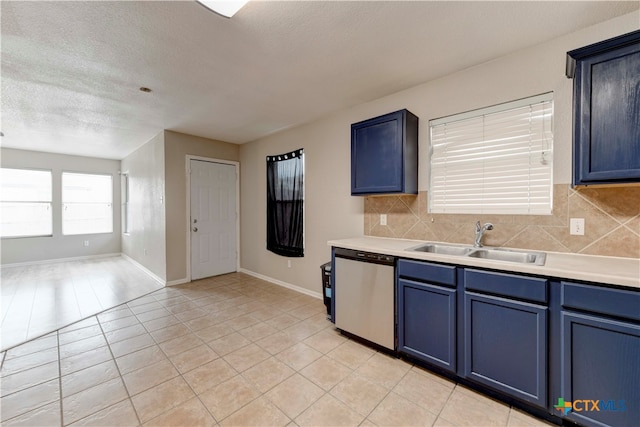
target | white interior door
x=213, y=219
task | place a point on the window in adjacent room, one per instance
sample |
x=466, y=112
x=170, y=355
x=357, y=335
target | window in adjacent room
x=496, y=160
x=25, y=203
x=87, y=203
x=285, y=204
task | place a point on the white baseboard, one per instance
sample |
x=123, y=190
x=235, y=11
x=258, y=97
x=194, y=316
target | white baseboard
x=178, y=282
x=281, y=283
x=145, y=269
x=56, y=260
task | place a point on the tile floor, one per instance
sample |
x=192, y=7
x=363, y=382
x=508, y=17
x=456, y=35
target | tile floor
x=230, y=350
x=42, y=298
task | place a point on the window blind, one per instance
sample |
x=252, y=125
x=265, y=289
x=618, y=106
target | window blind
x=496, y=160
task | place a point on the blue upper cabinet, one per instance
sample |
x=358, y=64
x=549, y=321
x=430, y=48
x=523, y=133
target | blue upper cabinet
x=384, y=155
x=606, y=109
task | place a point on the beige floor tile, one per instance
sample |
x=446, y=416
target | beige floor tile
x=149, y=376
x=214, y=332
x=121, y=414
x=303, y=330
x=521, y=419
x=266, y=375
x=246, y=357
x=325, y=341
x=131, y=345
x=48, y=415
x=294, y=395
x=161, y=398
x=180, y=344
x=265, y=313
x=424, y=391
x=351, y=354
x=79, y=334
x=144, y=305
x=359, y=393
x=328, y=411
x=258, y=331
x=120, y=323
x=140, y=359
x=326, y=372
x=283, y=321
x=29, y=399
x=209, y=375
x=243, y=321
x=229, y=396
x=299, y=356
x=125, y=333
x=395, y=410
x=34, y=346
x=441, y=422
x=162, y=322
x=191, y=359
x=464, y=409
x=25, y=379
x=169, y=333
x=84, y=360
x=92, y=400
x=153, y=315
x=277, y=342
x=384, y=370
x=202, y=322
x=28, y=361
x=191, y=314
x=115, y=313
x=260, y=412
x=89, y=377
x=189, y=413
x=82, y=346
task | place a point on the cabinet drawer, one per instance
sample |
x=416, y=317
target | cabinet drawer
x=510, y=285
x=614, y=302
x=427, y=272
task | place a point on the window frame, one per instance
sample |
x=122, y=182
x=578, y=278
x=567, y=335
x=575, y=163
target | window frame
x=49, y=203
x=63, y=203
x=484, y=151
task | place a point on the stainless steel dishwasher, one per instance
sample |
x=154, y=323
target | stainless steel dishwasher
x=364, y=295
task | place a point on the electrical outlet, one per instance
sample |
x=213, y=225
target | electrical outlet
x=289, y=263
x=383, y=219
x=145, y=251
x=576, y=226
x=86, y=243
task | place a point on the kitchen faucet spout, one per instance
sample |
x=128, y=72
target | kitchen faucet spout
x=480, y=230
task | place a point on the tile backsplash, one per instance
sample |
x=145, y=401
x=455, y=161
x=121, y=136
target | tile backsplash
x=612, y=222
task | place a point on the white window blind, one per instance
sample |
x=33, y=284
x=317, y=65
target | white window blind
x=25, y=203
x=87, y=203
x=496, y=160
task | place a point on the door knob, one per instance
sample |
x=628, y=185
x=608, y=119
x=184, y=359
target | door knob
x=195, y=229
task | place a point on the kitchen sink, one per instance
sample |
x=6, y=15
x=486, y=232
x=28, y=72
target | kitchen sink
x=496, y=254
x=537, y=258
x=438, y=248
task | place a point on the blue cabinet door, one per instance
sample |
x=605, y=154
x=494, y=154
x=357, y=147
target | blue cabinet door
x=384, y=154
x=506, y=346
x=600, y=370
x=427, y=323
x=607, y=111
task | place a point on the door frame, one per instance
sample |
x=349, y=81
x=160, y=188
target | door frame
x=188, y=158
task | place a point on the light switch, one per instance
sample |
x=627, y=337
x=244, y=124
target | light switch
x=576, y=226
x=383, y=219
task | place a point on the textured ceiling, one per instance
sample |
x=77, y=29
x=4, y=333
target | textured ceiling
x=71, y=70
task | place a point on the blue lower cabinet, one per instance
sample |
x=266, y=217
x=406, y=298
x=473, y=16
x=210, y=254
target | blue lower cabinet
x=600, y=371
x=506, y=346
x=427, y=323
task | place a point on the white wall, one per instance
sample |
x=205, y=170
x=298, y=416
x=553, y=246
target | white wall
x=57, y=246
x=146, y=240
x=330, y=211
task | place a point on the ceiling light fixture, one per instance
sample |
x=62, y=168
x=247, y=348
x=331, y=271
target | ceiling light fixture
x=226, y=8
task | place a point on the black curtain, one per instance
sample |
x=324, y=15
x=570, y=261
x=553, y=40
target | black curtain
x=285, y=204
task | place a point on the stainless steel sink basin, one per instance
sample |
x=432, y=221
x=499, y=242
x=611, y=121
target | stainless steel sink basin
x=496, y=254
x=537, y=258
x=438, y=248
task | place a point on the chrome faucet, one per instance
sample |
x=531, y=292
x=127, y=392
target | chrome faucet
x=480, y=232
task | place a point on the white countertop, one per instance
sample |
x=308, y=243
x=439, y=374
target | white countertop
x=591, y=268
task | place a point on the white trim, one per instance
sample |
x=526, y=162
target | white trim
x=188, y=159
x=177, y=282
x=305, y=291
x=56, y=260
x=493, y=109
x=145, y=269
